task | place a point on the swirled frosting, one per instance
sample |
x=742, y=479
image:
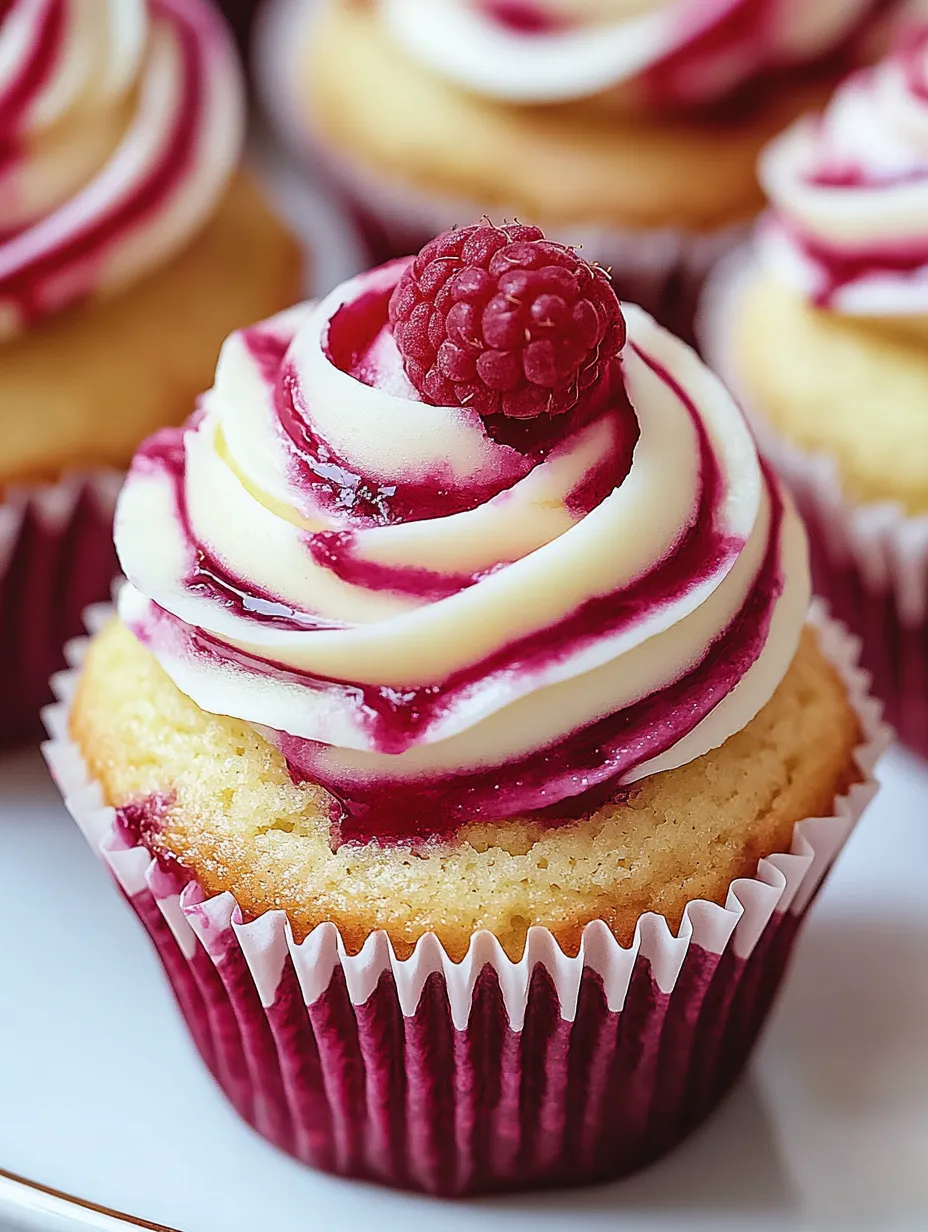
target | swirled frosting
x=120, y=123
x=665, y=52
x=849, y=190
x=441, y=618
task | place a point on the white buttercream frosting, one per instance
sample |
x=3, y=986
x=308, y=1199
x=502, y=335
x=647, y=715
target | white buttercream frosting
x=667, y=51
x=380, y=557
x=120, y=123
x=849, y=191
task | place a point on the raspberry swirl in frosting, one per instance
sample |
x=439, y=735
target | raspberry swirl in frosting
x=120, y=123
x=850, y=191
x=663, y=52
x=444, y=618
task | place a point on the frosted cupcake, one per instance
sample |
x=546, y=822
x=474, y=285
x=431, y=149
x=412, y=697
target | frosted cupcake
x=462, y=734
x=130, y=245
x=632, y=128
x=823, y=328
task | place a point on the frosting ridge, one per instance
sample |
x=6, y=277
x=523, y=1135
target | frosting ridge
x=666, y=52
x=468, y=627
x=849, y=191
x=120, y=123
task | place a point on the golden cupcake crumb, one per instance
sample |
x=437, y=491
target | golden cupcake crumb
x=238, y=822
x=86, y=385
x=850, y=389
x=584, y=162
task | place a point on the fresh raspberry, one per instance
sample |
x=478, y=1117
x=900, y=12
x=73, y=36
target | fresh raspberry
x=505, y=321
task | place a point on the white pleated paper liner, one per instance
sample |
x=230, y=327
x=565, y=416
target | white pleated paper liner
x=870, y=561
x=485, y=1074
x=662, y=269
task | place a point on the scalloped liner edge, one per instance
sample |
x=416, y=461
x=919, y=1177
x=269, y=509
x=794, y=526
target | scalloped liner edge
x=784, y=882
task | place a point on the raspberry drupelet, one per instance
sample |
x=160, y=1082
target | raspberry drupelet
x=502, y=320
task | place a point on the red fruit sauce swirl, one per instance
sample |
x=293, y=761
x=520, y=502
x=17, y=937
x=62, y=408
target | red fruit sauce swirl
x=558, y=779
x=338, y=487
x=48, y=264
x=716, y=49
x=31, y=75
x=555, y=784
x=715, y=34
x=576, y=775
x=845, y=171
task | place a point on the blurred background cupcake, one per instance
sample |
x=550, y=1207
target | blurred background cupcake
x=130, y=244
x=822, y=327
x=632, y=128
x=466, y=744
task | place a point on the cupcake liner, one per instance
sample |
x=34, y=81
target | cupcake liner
x=869, y=561
x=485, y=1074
x=662, y=269
x=56, y=557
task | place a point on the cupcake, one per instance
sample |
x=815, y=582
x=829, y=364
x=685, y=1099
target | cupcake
x=130, y=245
x=632, y=129
x=822, y=328
x=463, y=739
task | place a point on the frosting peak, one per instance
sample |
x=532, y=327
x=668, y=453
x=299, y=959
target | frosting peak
x=441, y=625
x=849, y=190
x=120, y=122
x=665, y=52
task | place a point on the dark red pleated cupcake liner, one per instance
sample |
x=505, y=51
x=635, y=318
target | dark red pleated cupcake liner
x=485, y=1075
x=56, y=558
x=869, y=562
x=895, y=641
x=661, y=269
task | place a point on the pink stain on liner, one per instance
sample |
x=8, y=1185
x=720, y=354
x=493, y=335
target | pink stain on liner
x=138, y=823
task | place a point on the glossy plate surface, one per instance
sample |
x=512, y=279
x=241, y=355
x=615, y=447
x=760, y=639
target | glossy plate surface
x=103, y=1097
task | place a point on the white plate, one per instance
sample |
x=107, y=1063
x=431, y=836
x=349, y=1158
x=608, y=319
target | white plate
x=102, y=1096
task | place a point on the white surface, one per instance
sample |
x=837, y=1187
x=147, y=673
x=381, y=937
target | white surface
x=102, y=1094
